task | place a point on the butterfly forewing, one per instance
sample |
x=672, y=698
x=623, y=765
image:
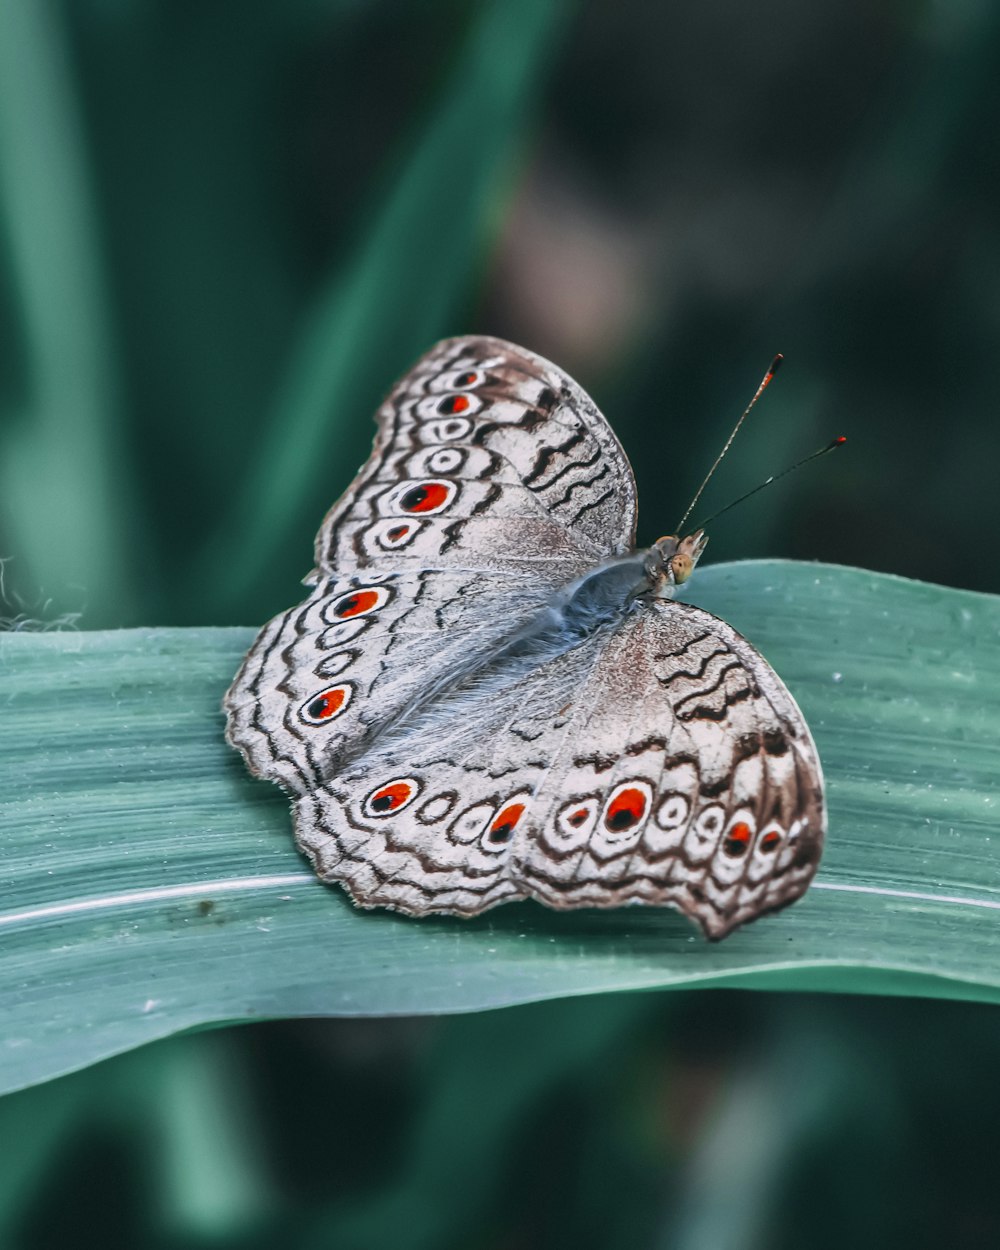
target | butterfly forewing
x=486, y=457
x=493, y=481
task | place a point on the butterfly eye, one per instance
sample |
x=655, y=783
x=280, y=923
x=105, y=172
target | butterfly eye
x=682, y=567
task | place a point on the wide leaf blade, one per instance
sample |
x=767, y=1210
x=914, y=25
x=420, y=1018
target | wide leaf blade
x=152, y=886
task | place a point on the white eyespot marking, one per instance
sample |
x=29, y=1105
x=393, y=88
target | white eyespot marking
x=468, y=825
x=391, y=534
x=345, y=632
x=418, y=497
x=702, y=837
x=355, y=603
x=391, y=797
x=711, y=820
x=450, y=430
x=673, y=811
x=446, y=460
x=437, y=808
x=327, y=705
x=334, y=664
x=666, y=830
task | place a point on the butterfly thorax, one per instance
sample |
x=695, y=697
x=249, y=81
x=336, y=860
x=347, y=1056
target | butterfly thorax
x=601, y=598
x=594, y=603
x=670, y=562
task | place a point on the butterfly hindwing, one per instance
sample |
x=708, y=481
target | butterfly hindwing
x=429, y=819
x=666, y=765
x=690, y=779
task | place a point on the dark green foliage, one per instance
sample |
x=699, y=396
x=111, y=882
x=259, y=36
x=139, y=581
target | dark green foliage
x=224, y=229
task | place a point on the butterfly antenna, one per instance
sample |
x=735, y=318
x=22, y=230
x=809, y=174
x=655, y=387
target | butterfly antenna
x=831, y=446
x=764, y=383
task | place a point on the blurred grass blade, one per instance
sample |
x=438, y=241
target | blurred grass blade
x=151, y=886
x=402, y=292
x=62, y=500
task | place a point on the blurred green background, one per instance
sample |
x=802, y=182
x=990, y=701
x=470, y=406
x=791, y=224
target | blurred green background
x=224, y=230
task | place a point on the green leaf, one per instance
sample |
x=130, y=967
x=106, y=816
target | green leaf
x=151, y=886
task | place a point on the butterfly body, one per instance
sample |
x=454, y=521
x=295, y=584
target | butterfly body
x=491, y=695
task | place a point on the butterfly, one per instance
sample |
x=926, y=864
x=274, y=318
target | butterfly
x=491, y=695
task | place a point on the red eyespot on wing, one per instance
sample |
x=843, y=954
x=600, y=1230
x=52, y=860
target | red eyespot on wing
x=627, y=808
x=505, y=821
x=360, y=602
x=391, y=533
x=326, y=705
x=356, y=604
x=769, y=842
x=451, y=404
x=426, y=496
x=467, y=379
x=574, y=821
x=392, y=797
x=737, y=840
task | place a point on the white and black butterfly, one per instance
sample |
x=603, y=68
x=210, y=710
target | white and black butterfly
x=490, y=695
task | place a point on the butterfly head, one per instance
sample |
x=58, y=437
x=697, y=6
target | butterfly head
x=671, y=560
